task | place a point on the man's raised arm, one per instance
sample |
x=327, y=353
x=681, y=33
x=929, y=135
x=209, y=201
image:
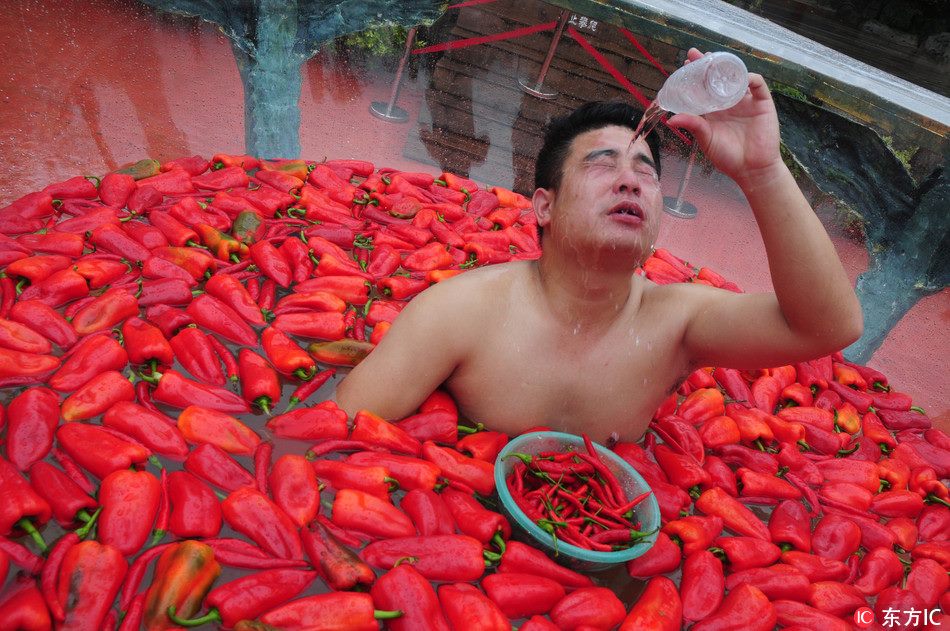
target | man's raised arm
x=417, y=354
x=814, y=310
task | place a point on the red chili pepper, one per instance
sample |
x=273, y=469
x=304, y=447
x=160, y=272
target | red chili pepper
x=322, y=421
x=701, y=405
x=239, y=553
x=745, y=607
x=219, y=318
x=428, y=512
x=368, y=513
x=66, y=499
x=816, y=568
x=97, y=450
x=466, y=607
x=523, y=595
x=694, y=533
x=928, y=580
x=251, y=513
x=250, y=596
x=720, y=475
x=213, y=464
x=411, y=473
x=680, y=468
x=702, y=585
x=439, y=426
x=477, y=474
x=89, y=581
x=905, y=532
x=58, y=289
x=43, y=319
x=880, y=568
x=658, y=608
x=372, y=429
x=483, y=445
x=346, y=611
x=178, y=391
x=106, y=311
x=374, y=480
x=23, y=509
x=202, y=425
x=196, y=262
x=260, y=384
x=836, y=537
x=129, y=505
x=939, y=551
x=598, y=607
x=194, y=509
x=195, y=353
x=97, y=395
x=32, y=418
x=735, y=516
x=473, y=519
x=154, y=430
x=286, y=355
x=789, y=524
x=295, y=489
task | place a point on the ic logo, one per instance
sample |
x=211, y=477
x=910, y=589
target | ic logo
x=863, y=618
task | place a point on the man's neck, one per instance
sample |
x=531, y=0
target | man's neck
x=588, y=294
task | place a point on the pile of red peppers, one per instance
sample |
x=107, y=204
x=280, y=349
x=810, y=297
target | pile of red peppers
x=171, y=458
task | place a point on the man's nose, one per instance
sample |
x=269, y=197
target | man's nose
x=627, y=180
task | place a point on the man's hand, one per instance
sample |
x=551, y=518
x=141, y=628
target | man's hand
x=742, y=141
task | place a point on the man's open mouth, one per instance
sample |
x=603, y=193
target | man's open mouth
x=625, y=208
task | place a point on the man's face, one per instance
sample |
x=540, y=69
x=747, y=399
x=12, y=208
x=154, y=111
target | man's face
x=609, y=196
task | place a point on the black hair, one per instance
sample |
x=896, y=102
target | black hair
x=561, y=132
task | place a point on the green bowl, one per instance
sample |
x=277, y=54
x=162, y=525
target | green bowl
x=646, y=512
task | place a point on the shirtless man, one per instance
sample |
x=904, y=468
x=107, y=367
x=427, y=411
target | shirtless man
x=575, y=340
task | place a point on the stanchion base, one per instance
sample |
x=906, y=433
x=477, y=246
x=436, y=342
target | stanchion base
x=534, y=89
x=682, y=210
x=394, y=115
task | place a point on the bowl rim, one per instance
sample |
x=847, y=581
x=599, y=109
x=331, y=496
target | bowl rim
x=563, y=547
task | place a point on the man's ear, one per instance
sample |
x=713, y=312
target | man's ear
x=541, y=201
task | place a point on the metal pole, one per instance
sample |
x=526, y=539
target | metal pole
x=390, y=111
x=676, y=206
x=535, y=88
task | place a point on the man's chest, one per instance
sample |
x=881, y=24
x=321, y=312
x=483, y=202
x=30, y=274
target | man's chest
x=593, y=384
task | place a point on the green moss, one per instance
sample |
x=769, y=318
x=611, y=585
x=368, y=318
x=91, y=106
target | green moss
x=790, y=91
x=903, y=155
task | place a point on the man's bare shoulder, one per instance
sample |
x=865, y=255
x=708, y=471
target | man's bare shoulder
x=478, y=292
